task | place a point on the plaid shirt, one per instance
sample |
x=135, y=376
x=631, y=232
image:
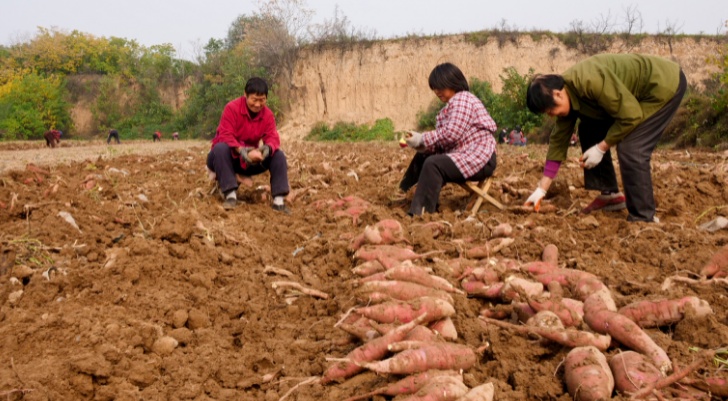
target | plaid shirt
x=464, y=131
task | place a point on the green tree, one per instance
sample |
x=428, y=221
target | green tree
x=32, y=104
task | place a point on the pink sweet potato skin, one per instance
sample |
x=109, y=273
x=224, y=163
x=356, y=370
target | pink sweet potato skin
x=633, y=371
x=588, y=377
x=664, y=312
x=718, y=265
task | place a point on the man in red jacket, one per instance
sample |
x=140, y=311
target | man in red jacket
x=247, y=143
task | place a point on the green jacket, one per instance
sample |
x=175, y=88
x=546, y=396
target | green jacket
x=626, y=87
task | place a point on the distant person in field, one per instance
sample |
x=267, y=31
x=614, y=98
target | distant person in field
x=516, y=137
x=247, y=143
x=503, y=136
x=52, y=138
x=622, y=100
x=157, y=136
x=461, y=148
x=175, y=136
x=113, y=134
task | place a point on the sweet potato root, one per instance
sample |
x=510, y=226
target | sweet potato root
x=408, y=385
x=664, y=312
x=632, y=371
x=550, y=254
x=484, y=392
x=718, y=265
x=442, y=388
x=502, y=230
x=417, y=275
x=565, y=337
x=385, y=232
x=587, y=374
x=403, y=312
x=598, y=314
x=489, y=249
x=370, y=351
x=570, y=311
x=444, y=356
x=368, y=268
x=445, y=328
x=403, y=290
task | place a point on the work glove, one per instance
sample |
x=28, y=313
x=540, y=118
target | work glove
x=592, y=157
x=244, y=154
x=264, y=150
x=535, y=198
x=414, y=140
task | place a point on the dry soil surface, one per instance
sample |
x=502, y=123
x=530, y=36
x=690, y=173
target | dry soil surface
x=158, y=293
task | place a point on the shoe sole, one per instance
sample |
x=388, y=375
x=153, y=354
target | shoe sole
x=614, y=208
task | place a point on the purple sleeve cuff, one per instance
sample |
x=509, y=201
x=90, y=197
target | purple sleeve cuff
x=551, y=168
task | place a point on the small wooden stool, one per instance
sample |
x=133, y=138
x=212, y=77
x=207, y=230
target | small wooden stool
x=480, y=190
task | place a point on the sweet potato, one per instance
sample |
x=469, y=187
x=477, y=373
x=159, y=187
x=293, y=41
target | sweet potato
x=664, y=312
x=417, y=275
x=444, y=356
x=502, y=230
x=484, y=392
x=408, y=385
x=565, y=337
x=402, y=290
x=477, y=288
x=403, y=312
x=445, y=328
x=718, y=265
x=370, y=351
x=632, y=371
x=587, y=375
x=368, y=268
x=385, y=232
x=442, y=388
x=388, y=255
x=570, y=311
x=489, y=248
x=518, y=288
x=539, y=267
x=550, y=254
x=422, y=333
x=598, y=314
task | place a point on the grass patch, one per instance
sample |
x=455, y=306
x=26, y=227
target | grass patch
x=382, y=130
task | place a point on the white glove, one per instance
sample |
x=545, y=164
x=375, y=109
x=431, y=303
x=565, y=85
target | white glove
x=536, y=196
x=592, y=157
x=414, y=140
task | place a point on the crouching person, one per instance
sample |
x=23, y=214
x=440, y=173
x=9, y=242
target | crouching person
x=461, y=147
x=247, y=143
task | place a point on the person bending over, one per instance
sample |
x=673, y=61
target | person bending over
x=622, y=100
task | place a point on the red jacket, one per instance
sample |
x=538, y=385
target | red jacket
x=237, y=129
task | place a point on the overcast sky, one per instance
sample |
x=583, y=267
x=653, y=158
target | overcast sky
x=189, y=24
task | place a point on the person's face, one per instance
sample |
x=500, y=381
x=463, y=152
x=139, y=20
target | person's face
x=256, y=102
x=444, y=94
x=562, y=105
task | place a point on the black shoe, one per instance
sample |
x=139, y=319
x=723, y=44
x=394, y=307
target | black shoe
x=229, y=203
x=282, y=208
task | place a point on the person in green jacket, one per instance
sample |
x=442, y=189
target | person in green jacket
x=622, y=100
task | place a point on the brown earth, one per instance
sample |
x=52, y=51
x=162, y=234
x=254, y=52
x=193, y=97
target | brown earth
x=156, y=255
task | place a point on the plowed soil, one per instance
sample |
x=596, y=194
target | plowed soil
x=85, y=311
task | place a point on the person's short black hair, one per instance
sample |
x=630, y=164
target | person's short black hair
x=448, y=76
x=539, y=97
x=256, y=86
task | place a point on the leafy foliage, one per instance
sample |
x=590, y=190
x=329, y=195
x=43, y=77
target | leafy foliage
x=383, y=130
x=507, y=108
x=30, y=104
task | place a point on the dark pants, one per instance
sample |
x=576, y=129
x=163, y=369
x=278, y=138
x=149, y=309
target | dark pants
x=114, y=135
x=430, y=172
x=634, y=154
x=221, y=161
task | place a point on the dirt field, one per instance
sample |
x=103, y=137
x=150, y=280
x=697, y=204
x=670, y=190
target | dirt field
x=154, y=255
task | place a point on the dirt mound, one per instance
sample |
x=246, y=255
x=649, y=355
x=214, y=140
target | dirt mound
x=157, y=293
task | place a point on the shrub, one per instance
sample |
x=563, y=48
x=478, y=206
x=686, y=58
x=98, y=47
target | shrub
x=383, y=130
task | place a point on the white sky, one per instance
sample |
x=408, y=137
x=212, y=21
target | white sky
x=189, y=24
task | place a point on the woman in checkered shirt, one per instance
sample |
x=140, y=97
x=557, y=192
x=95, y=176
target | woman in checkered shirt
x=461, y=148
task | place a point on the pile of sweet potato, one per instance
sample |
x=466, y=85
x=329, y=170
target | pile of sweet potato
x=405, y=322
